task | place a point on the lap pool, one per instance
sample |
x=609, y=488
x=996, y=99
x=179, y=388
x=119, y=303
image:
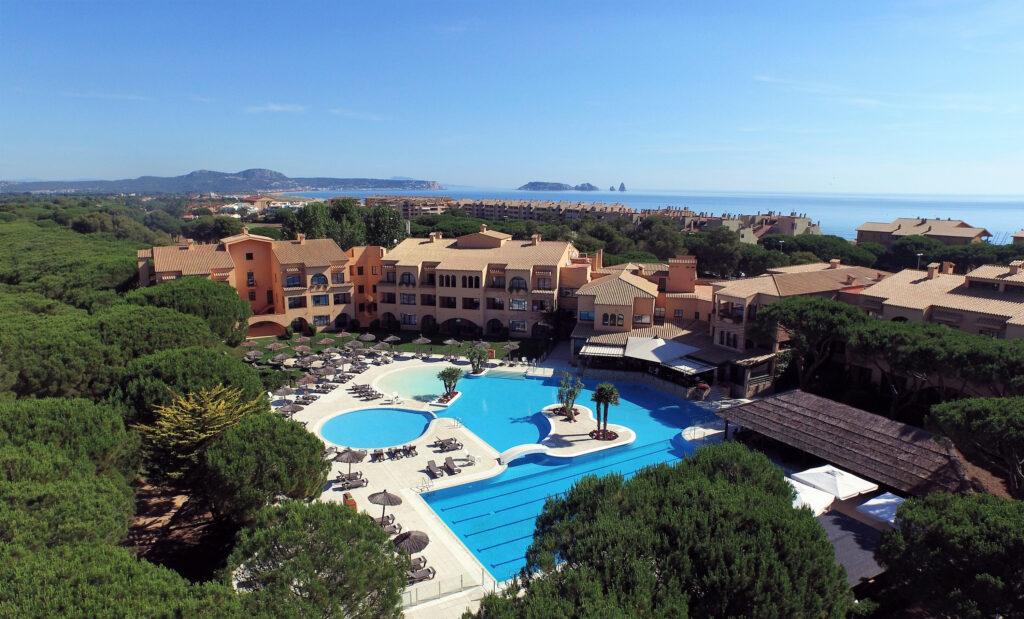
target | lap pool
x=495, y=518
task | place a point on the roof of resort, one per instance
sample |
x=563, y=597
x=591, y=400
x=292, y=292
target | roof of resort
x=693, y=333
x=619, y=289
x=446, y=252
x=803, y=279
x=903, y=457
x=647, y=267
x=906, y=226
x=854, y=543
x=310, y=252
x=202, y=259
x=191, y=259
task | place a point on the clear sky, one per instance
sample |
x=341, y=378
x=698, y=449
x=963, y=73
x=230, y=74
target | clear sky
x=864, y=97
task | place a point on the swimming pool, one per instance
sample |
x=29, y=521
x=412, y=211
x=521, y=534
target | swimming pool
x=495, y=518
x=372, y=428
x=420, y=383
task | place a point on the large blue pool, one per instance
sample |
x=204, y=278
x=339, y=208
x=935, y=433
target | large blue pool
x=371, y=428
x=495, y=518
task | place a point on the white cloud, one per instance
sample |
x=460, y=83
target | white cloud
x=276, y=107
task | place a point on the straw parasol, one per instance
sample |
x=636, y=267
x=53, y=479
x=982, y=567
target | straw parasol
x=510, y=346
x=343, y=334
x=322, y=371
x=481, y=345
x=324, y=341
x=284, y=392
x=275, y=346
x=421, y=340
x=367, y=337
x=290, y=409
x=249, y=344
x=333, y=350
x=306, y=379
x=302, y=339
x=452, y=342
x=350, y=456
x=412, y=541
x=391, y=339
x=385, y=498
x=281, y=356
x=302, y=349
x=353, y=344
x=381, y=346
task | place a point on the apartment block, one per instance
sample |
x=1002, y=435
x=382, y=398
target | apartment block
x=947, y=231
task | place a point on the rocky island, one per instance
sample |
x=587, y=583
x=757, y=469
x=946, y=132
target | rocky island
x=544, y=186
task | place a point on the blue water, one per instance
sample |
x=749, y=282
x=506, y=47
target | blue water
x=495, y=518
x=375, y=427
x=839, y=214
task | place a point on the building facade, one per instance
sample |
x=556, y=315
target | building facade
x=946, y=231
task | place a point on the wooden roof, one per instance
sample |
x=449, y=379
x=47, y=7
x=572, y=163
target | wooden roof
x=900, y=456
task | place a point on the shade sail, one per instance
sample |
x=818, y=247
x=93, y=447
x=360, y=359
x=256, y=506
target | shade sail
x=688, y=366
x=883, y=507
x=808, y=496
x=597, y=350
x=656, y=349
x=836, y=482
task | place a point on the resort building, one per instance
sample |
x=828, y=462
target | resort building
x=479, y=284
x=988, y=300
x=947, y=231
x=414, y=206
x=1018, y=237
x=287, y=283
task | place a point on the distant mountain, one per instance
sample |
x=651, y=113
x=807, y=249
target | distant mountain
x=542, y=186
x=203, y=181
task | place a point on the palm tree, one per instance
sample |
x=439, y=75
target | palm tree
x=605, y=394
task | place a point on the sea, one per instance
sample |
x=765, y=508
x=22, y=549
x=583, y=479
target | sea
x=838, y=214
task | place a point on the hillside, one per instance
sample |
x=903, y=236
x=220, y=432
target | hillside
x=202, y=181
x=544, y=186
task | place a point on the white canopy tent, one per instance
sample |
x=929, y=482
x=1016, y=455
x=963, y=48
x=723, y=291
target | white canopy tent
x=599, y=350
x=656, y=349
x=688, y=366
x=808, y=496
x=883, y=507
x=836, y=482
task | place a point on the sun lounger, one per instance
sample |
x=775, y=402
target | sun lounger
x=449, y=466
x=393, y=529
x=352, y=484
x=386, y=520
x=450, y=447
x=395, y=453
x=419, y=563
x=432, y=469
x=415, y=576
x=350, y=476
x=410, y=450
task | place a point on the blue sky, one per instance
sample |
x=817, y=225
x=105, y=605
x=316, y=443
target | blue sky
x=869, y=97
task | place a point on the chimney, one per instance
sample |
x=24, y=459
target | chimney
x=933, y=270
x=408, y=227
x=483, y=227
x=1015, y=266
x=947, y=268
x=850, y=279
x=879, y=276
x=598, y=259
x=833, y=263
x=245, y=229
x=535, y=239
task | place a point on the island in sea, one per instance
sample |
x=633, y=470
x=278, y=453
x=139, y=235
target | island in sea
x=544, y=186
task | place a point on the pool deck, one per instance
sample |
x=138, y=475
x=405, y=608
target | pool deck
x=461, y=579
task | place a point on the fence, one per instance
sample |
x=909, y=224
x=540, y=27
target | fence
x=441, y=587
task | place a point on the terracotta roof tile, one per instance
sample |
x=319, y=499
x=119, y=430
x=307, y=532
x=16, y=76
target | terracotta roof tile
x=513, y=254
x=619, y=289
x=311, y=252
x=191, y=259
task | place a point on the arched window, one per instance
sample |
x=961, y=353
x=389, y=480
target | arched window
x=319, y=279
x=604, y=319
x=517, y=283
x=621, y=321
x=464, y=282
x=476, y=281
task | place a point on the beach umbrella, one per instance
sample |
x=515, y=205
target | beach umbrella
x=421, y=340
x=322, y=371
x=302, y=339
x=324, y=341
x=249, y=343
x=290, y=409
x=302, y=349
x=281, y=356
x=510, y=346
x=350, y=456
x=481, y=345
x=343, y=334
x=333, y=350
x=275, y=346
x=391, y=339
x=836, y=482
x=367, y=337
x=284, y=392
x=381, y=346
x=385, y=498
x=452, y=342
x=306, y=379
x=412, y=541
x=354, y=344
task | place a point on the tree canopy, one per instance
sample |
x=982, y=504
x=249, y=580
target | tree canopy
x=318, y=560
x=680, y=540
x=215, y=303
x=992, y=428
x=449, y=377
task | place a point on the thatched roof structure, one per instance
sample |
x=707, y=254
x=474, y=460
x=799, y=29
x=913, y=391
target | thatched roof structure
x=897, y=455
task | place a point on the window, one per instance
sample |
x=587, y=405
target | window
x=374, y=270
x=446, y=302
x=296, y=302
x=389, y=277
x=292, y=281
x=361, y=289
x=408, y=279
x=661, y=284
x=470, y=303
x=587, y=316
x=337, y=278
x=659, y=312
x=541, y=306
x=408, y=319
x=252, y=295
x=621, y=321
x=322, y=320
x=678, y=313
x=431, y=279
x=446, y=281
x=604, y=319
x=362, y=308
x=407, y=299
x=494, y=303
x=641, y=319
x=373, y=287
x=340, y=298
x=319, y=280
x=250, y=279
x=567, y=292
x=248, y=255
x=518, y=305
x=320, y=300
x=428, y=299
x=696, y=315
x=498, y=281
x=517, y=325
x=387, y=297
x=543, y=283
x=517, y=283
x=470, y=281
x=359, y=270
x=351, y=270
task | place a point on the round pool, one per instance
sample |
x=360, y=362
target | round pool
x=372, y=428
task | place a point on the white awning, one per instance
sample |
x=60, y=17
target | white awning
x=882, y=507
x=597, y=350
x=688, y=366
x=836, y=482
x=656, y=349
x=808, y=496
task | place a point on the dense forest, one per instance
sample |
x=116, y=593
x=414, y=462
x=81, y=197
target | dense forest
x=111, y=395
